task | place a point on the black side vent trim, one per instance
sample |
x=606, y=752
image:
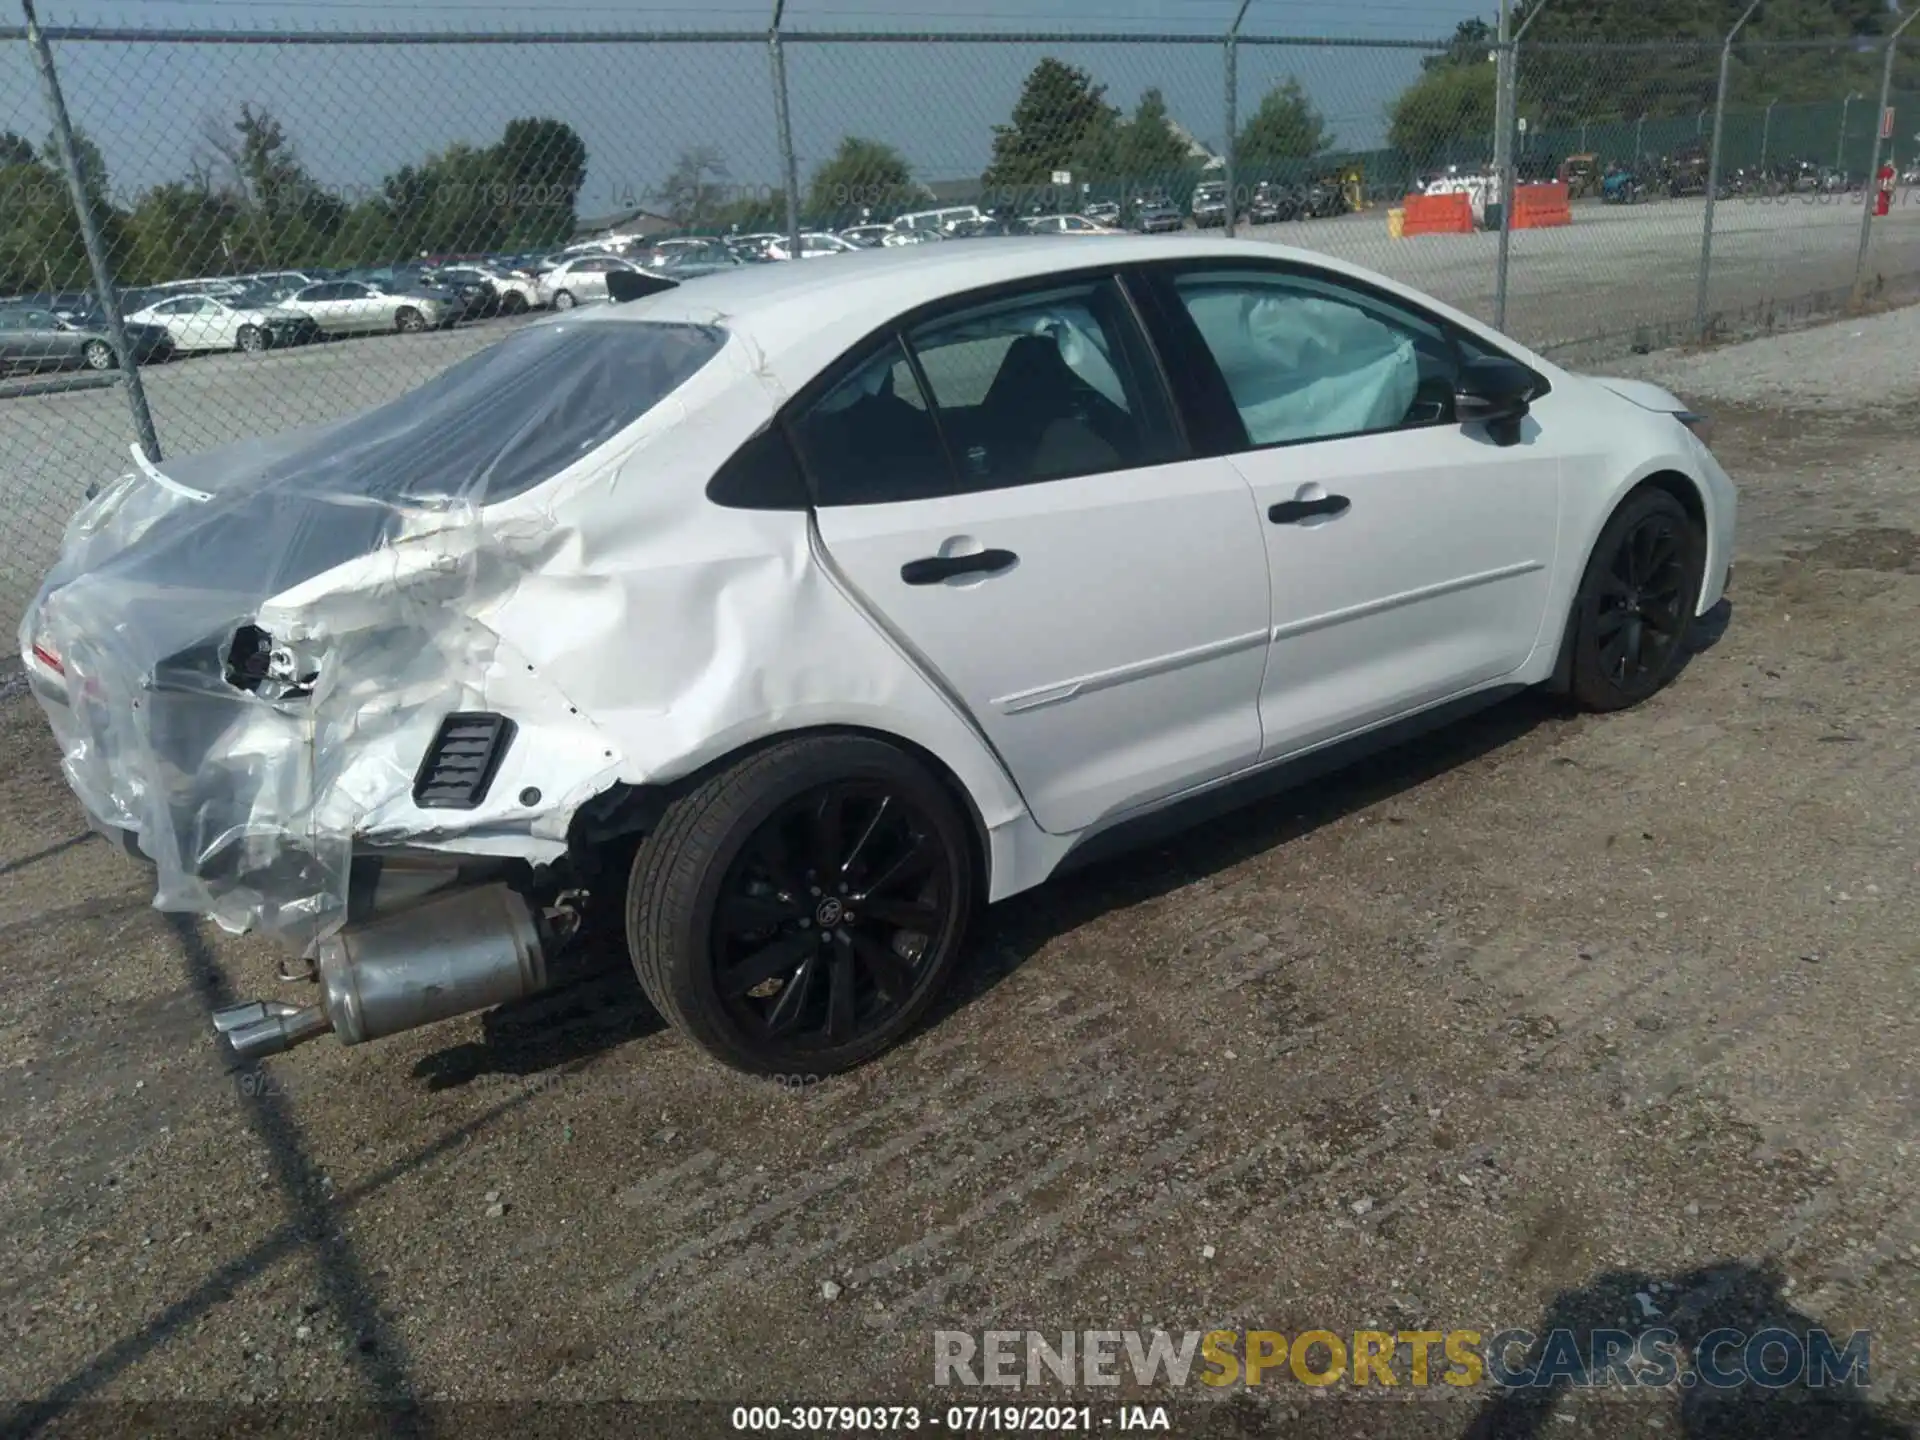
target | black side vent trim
x=462, y=760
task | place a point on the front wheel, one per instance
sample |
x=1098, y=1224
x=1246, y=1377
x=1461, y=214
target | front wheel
x=98, y=355
x=798, y=912
x=253, y=339
x=1636, y=602
x=564, y=300
x=513, y=303
x=410, y=321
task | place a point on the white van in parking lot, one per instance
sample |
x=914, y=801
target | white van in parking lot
x=939, y=220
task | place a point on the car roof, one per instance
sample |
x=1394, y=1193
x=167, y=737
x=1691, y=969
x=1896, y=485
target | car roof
x=800, y=316
x=855, y=293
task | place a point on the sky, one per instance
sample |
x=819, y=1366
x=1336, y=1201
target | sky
x=356, y=112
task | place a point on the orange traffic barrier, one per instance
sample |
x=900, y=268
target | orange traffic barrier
x=1537, y=207
x=1438, y=215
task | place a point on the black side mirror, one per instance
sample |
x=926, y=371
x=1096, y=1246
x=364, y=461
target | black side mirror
x=1494, y=392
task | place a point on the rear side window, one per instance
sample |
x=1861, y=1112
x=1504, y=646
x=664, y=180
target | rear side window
x=492, y=427
x=515, y=415
x=870, y=440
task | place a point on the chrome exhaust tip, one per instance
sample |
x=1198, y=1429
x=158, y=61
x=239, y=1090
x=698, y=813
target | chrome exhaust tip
x=267, y=1027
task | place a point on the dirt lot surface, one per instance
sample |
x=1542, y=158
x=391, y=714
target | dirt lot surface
x=1528, y=1020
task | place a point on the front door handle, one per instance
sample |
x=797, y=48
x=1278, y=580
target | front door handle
x=1292, y=512
x=935, y=568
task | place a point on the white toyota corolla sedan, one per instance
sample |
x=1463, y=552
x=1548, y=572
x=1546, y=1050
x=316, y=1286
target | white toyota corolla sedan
x=793, y=613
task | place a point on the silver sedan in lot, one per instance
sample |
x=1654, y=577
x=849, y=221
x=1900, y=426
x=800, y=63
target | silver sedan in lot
x=350, y=307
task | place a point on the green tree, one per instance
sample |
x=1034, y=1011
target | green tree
x=93, y=165
x=40, y=242
x=178, y=228
x=450, y=202
x=860, y=175
x=286, y=217
x=1060, y=119
x=1147, y=150
x=1444, y=107
x=694, y=192
x=1285, y=127
x=15, y=149
x=539, y=166
x=519, y=193
x=1472, y=41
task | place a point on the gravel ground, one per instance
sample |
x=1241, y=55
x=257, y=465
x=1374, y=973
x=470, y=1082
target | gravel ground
x=1524, y=1021
x=1832, y=369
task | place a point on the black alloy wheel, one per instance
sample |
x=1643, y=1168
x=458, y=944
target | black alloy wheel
x=823, y=921
x=1636, y=602
x=797, y=912
x=1642, y=602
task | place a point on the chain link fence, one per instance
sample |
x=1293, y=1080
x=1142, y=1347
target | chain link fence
x=296, y=226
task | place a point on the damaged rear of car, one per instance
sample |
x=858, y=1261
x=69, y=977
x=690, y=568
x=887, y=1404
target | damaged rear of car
x=293, y=673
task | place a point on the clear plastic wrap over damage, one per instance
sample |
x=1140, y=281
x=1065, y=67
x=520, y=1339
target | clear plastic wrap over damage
x=257, y=644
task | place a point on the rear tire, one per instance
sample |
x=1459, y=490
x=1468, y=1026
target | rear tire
x=98, y=355
x=1628, y=631
x=729, y=899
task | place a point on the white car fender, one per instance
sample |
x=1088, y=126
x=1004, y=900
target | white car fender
x=1626, y=448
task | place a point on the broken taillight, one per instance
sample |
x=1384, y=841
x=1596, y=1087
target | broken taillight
x=47, y=658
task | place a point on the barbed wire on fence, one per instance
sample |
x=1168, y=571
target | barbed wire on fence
x=261, y=192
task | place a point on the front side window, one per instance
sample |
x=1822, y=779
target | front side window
x=1308, y=359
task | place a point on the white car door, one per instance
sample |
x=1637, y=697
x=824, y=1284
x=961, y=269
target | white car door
x=215, y=326
x=325, y=303
x=170, y=315
x=361, y=308
x=1411, y=555
x=587, y=279
x=1037, y=531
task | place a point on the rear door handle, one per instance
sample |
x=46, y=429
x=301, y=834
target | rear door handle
x=935, y=568
x=1292, y=512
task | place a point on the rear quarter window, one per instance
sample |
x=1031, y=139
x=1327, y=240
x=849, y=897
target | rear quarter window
x=517, y=414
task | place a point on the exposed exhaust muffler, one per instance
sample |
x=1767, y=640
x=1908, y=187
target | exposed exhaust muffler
x=466, y=951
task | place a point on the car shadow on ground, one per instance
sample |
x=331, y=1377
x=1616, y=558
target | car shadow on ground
x=1736, y=1310
x=597, y=1007
x=602, y=1007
